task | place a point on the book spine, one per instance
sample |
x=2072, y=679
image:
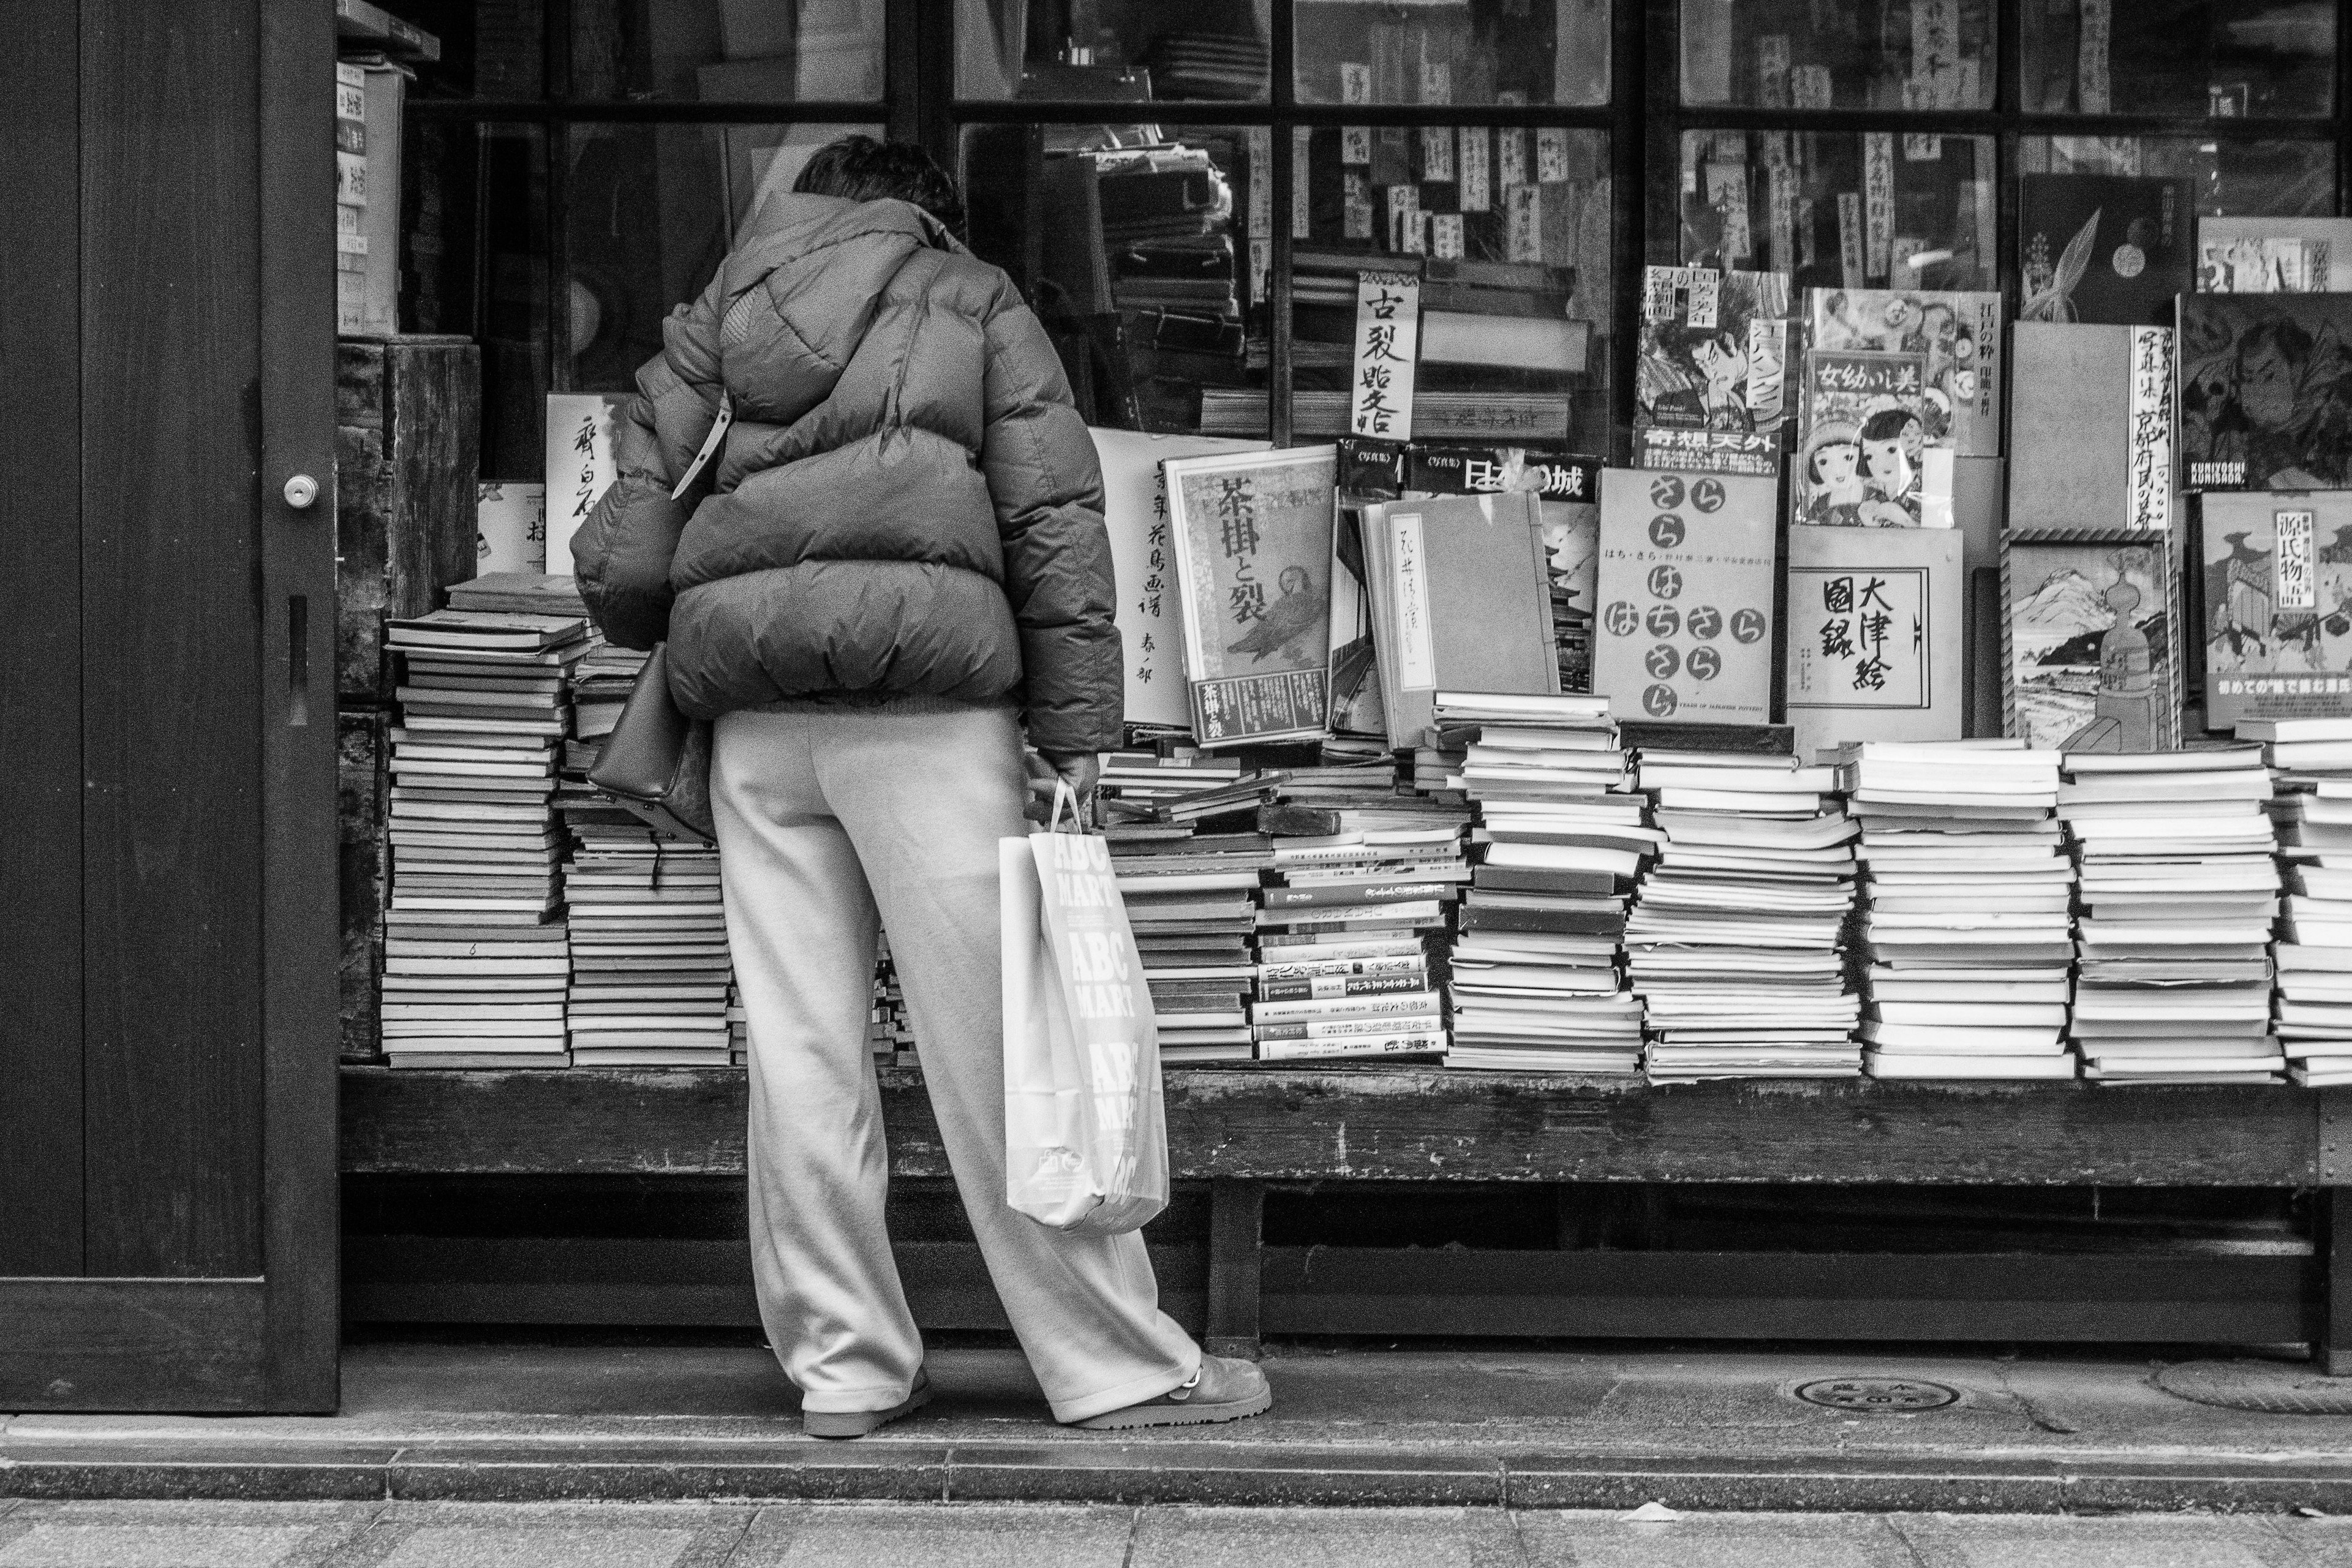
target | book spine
x=1561, y=922
x=1352, y=1045
x=1327, y=987
x=1405, y=1004
x=1319, y=969
x=1358, y=893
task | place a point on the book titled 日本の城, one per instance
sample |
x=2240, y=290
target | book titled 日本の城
x=1687, y=563
x=1253, y=534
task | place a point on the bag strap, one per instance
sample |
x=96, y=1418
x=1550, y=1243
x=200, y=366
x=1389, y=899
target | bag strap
x=1062, y=791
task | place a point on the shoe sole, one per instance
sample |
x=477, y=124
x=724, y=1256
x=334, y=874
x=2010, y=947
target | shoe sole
x=1136, y=1416
x=858, y=1423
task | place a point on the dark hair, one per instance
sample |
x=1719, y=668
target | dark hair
x=860, y=169
x=1886, y=423
x=2280, y=335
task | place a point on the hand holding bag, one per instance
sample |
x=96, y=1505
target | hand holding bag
x=657, y=760
x=1085, y=1133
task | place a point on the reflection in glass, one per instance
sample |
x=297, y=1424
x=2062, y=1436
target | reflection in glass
x=2228, y=58
x=2271, y=179
x=1840, y=54
x=474, y=262
x=727, y=51
x=1465, y=51
x=1508, y=227
x=651, y=211
x=489, y=48
x=1145, y=249
x=1112, y=51
x=1876, y=209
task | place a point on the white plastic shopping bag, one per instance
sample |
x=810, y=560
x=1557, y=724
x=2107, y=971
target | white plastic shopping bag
x=1086, y=1136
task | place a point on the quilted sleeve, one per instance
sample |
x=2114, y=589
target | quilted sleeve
x=622, y=553
x=1042, y=478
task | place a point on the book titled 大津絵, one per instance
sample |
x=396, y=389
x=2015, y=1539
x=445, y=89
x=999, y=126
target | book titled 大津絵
x=1253, y=540
x=2111, y=248
x=1135, y=513
x=1874, y=635
x=2265, y=392
x=1461, y=596
x=2091, y=427
x=2278, y=605
x=1685, y=596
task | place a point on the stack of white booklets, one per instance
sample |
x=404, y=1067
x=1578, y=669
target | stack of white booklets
x=1343, y=966
x=2177, y=892
x=1734, y=939
x=649, y=966
x=2311, y=764
x=1967, y=925
x=476, y=953
x=1535, y=978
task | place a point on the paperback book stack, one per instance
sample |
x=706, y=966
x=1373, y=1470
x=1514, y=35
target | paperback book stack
x=2311, y=761
x=649, y=967
x=1735, y=940
x=1344, y=937
x=1191, y=902
x=476, y=949
x=600, y=690
x=892, y=1037
x=2176, y=891
x=1535, y=982
x=1967, y=929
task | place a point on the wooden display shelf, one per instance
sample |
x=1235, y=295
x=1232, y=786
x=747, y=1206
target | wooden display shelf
x=1240, y=1129
x=1419, y=1124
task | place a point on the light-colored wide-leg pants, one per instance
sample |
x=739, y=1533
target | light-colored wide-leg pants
x=824, y=816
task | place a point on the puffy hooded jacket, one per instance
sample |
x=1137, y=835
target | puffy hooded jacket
x=906, y=502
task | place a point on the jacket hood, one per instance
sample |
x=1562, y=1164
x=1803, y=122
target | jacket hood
x=793, y=224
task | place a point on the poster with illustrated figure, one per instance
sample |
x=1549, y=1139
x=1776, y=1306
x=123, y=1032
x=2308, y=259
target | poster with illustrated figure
x=2265, y=392
x=1866, y=459
x=1686, y=584
x=1956, y=335
x=2278, y=605
x=1254, y=550
x=2088, y=658
x=1713, y=349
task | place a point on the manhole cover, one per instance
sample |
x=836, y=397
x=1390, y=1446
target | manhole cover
x=1878, y=1393
x=2266, y=1387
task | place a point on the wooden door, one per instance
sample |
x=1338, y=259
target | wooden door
x=167, y=882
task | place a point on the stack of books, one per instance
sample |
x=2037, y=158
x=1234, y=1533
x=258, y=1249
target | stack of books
x=1735, y=940
x=1344, y=934
x=738, y=1028
x=600, y=690
x=2177, y=891
x=889, y=1032
x=1535, y=982
x=649, y=966
x=2311, y=764
x=1191, y=902
x=1968, y=928
x=476, y=946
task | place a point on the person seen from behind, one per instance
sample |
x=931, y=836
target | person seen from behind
x=891, y=568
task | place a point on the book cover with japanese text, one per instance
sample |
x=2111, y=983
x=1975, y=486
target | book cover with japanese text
x=1874, y=635
x=1687, y=579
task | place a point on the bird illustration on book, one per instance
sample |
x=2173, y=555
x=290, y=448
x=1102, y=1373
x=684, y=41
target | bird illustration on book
x=1281, y=626
x=2050, y=291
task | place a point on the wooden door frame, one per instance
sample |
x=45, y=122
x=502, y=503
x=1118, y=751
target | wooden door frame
x=265, y=1342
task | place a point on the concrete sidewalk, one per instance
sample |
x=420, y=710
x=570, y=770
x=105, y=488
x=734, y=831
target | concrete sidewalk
x=1608, y=1429
x=992, y=1535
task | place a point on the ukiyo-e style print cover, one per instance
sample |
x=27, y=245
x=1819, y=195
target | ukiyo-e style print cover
x=2089, y=661
x=2278, y=605
x=2265, y=392
x=1253, y=545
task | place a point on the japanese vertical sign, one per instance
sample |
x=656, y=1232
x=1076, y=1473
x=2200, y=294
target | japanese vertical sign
x=2150, y=456
x=2093, y=30
x=1877, y=201
x=1388, y=341
x=579, y=466
x=1143, y=565
x=1685, y=596
x=1874, y=635
x=1253, y=539
x=1416, y=644
x=2298, y=581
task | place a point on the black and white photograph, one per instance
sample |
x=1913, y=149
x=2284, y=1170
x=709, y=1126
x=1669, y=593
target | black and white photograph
x=1562, y=784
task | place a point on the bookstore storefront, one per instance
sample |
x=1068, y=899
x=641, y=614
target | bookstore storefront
x=1633, y=400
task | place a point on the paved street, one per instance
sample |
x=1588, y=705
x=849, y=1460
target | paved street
x=981, y=1535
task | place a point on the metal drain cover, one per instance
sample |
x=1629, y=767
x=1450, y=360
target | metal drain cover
x=1878, y=1393
x=2266, y=1387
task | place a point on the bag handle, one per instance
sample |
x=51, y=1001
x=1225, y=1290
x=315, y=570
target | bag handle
x=1062, y=791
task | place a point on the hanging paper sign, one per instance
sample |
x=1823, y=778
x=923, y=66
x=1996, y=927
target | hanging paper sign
x=1780, y=216
x=1849, y=238
x=1809, y=87
x=1261, y=182
x=1355, y=144
x=1355, y=205
x=1513, y=155
x=1772, y=71
x=1551, y=155
x=1437, y=154
x=2150, y=457
x=1436, y=81
x=1473, y=178
x=1404, y=220
x=1727, y=192
x=1445, y=235
x=579, y=466
x=1523, y=223
x=1388, y=343
x=1877, y=200
x=2094, y=23
x=1355, y=82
